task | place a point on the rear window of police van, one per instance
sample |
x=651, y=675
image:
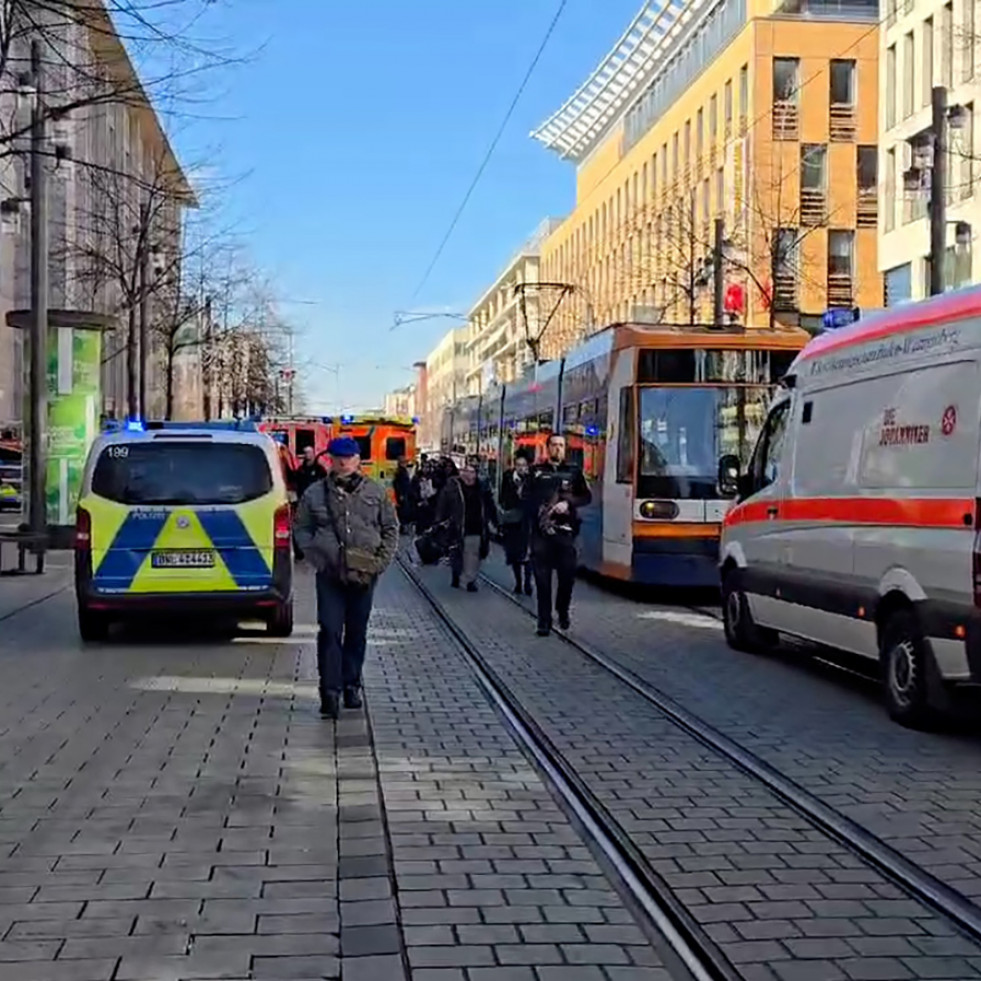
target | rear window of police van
x=172, y=472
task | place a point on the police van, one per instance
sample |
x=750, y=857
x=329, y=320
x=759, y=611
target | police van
x=183, y=519
x=856, y=524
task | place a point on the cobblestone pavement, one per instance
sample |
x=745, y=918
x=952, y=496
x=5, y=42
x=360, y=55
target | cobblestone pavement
x=781, y=899
x=172, y=808
x=919, y=792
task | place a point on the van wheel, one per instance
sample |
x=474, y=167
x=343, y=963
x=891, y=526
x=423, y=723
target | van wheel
x=92, y=627
x=904, y=670
x=742, y=634
x=280, y=624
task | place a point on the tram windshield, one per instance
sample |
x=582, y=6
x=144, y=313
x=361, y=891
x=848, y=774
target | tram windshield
x=684, y=430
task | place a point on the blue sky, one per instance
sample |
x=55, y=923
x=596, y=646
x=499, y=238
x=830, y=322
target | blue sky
x=359, y=125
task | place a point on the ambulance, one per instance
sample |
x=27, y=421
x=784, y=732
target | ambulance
x=183, y=519
x=856, y=522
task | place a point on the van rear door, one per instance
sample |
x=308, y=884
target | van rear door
x=183, y=515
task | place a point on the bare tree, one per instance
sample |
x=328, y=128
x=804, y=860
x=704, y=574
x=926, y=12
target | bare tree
x=93, y=53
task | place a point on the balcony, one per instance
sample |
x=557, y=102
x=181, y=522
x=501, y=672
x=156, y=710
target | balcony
x=867, y=214
x=842, y=123
x=785, y=292
x=813, y=207
x=840, y=290
x=786, y=120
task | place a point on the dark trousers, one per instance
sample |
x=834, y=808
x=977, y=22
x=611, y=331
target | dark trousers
x=342, y=613
x=558, y=555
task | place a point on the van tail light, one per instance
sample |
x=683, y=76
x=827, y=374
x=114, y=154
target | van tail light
x=976, y=555
x=83, y=530
x=282, y=527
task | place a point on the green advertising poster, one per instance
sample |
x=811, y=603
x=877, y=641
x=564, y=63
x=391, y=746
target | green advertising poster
x=74, y=399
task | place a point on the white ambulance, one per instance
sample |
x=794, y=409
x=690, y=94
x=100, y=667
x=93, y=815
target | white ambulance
x=857, y=522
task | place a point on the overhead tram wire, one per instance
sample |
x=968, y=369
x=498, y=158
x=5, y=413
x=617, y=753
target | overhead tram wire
x=490, y=151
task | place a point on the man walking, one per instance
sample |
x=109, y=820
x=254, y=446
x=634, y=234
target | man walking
x=347, y=527
x=558, y=490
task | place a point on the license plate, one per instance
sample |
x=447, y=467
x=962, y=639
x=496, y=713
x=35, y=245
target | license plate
x=196, y=559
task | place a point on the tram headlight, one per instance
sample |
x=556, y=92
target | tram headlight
x=658, y=510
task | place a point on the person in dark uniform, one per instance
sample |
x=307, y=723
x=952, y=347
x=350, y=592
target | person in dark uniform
x=558, y=491
x=516, y=520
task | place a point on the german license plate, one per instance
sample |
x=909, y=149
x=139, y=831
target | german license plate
x=183, y=559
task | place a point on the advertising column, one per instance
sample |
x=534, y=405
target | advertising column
x=74, y=405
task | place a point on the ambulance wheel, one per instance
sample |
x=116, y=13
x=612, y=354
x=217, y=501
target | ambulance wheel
x=904, y=671
x=742, y=634
x=280, y=624
x=92, y=627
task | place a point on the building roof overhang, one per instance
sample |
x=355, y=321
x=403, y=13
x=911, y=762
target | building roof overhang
x=576, y=128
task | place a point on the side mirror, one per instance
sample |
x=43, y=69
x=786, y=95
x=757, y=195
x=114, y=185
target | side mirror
x=728, y=479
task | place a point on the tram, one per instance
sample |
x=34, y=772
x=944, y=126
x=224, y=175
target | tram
x=647, y=413
x=382, y=440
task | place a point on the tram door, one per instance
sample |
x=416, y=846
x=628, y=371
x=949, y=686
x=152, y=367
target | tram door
x=304, y=437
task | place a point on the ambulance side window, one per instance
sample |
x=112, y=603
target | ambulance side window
x=765, y=466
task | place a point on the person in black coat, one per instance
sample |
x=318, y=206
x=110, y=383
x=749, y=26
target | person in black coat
x=558, y=491
x=516, y=520
x=466, y=504
x=402, y=488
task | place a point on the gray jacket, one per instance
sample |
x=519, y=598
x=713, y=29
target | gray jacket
x=365, y=519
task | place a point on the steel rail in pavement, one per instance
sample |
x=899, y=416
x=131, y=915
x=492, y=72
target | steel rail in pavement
x=669, y=918
x=915, y=881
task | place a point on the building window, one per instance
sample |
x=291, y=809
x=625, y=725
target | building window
x=813, y=184
x=785, y=98
x=842, y=100
x=743, y=98
x=714, y=119
x=947, y=45
x=654, y=178
x=891, y=94
x=909, y=75
x=720, y=191
x=967, y=151
x=897, y=285
x=889, y=196
x=927, y=61
x=841, y=253
x=699, y=134
x=675, y=162
x=967, y=69
x=785, y=263
x=813, y=167
x=868, y=187
x=727, y=108
x=687, y=145
x=842, y=83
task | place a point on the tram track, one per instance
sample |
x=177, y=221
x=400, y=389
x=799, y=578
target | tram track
x=911, y=878
x=686, y=941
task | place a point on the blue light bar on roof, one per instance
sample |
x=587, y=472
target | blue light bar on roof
x=134, y=426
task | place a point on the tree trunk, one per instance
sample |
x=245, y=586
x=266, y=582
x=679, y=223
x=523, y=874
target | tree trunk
x=169, y=406
x=131, y=363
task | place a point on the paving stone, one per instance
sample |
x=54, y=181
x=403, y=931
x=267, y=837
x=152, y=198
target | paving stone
x=373, y=968
x=364, y=941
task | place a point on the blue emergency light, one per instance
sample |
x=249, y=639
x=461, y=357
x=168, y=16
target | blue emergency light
x=837, y=317
x=347, y=420
x=134, y=426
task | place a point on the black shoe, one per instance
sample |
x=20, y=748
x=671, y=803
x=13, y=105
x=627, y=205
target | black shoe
x=330, y=706
x=471, y=587
x=352, y=698
x=455, y=582
x=517, y=588
x=564, y=623
x=543, y=631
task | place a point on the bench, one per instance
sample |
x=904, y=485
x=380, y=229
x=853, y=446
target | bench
x=23, y=542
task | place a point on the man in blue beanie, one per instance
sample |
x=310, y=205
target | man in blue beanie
x=347, y=528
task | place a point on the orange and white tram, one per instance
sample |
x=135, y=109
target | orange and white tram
x=647, y=413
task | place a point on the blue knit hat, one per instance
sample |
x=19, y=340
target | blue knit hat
x=343, y=446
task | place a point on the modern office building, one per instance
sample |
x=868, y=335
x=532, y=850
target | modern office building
x=924, y=44
x=760, y=113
